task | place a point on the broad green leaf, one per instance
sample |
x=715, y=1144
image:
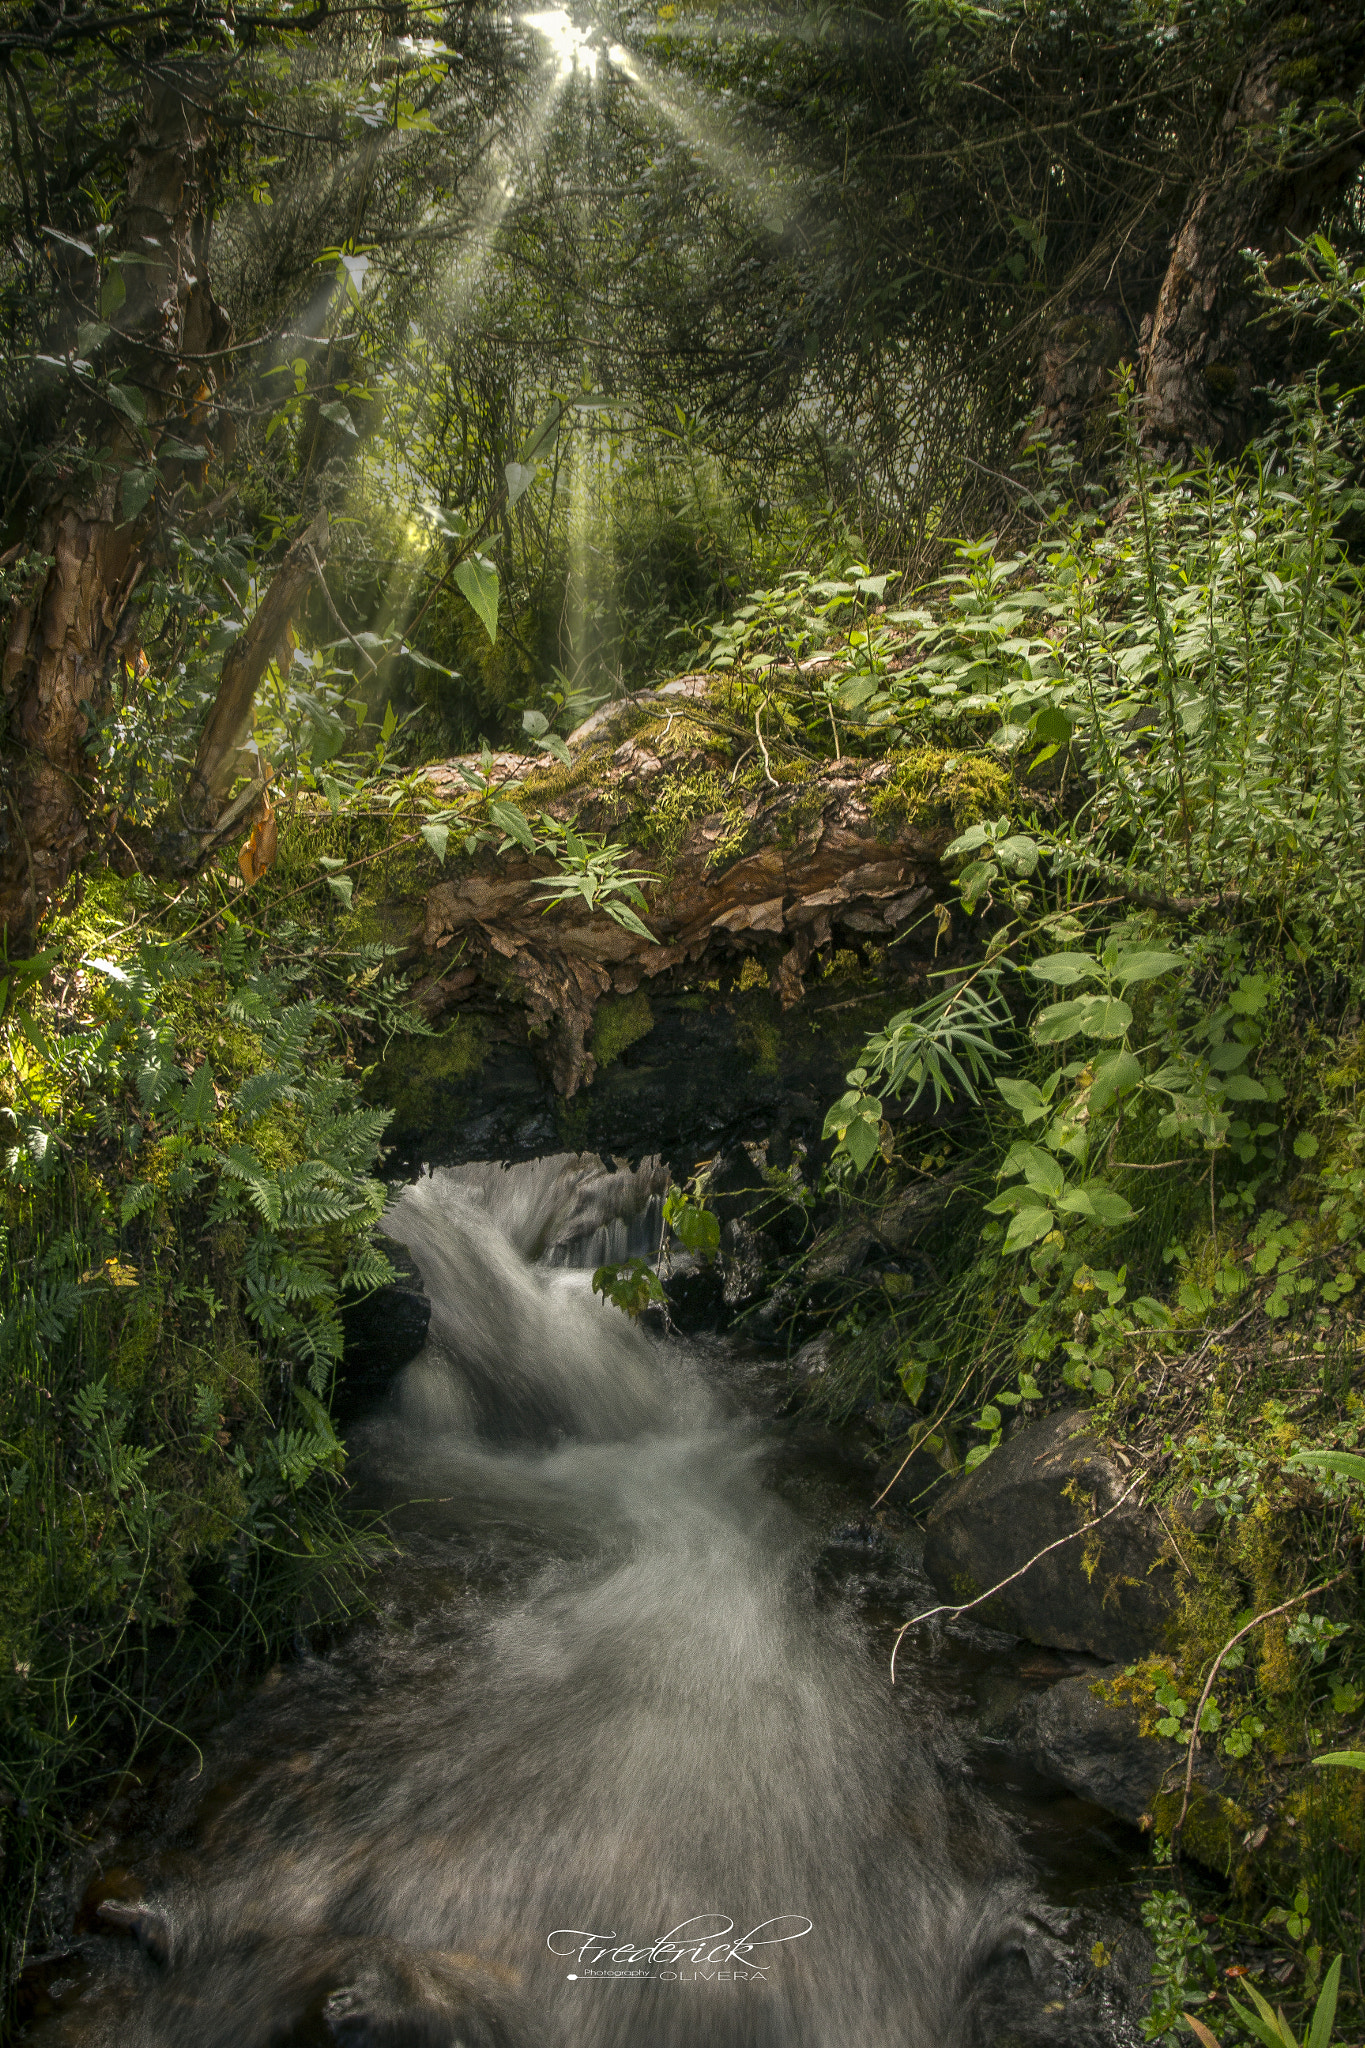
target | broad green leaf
x=1026, y=1229
x=478, y=580
x=134, y=491
x=1019, y=854
x=512, y=822
x=127, y=401
x=1057, y=1022
x=520, y=477
x=1039, y=1168
x=1024, y=1097
x=1019, y=1196
x=1349, y=1464
x=342, y=888
x=1065, y=968
x=338, y=414
x=860, y=1142
x=1344, y=1759
x=1105, y=1017
x=437, y=838
x=1099, y=1203
x=542, y=438
x=1052, y=723
x=1144, y=966
x=1114, y=1073
x=1241, y=1088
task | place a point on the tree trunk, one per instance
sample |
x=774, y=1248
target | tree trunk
x=1074, y=376
x=1204, y=353
x=168, y=339
x=215, y=763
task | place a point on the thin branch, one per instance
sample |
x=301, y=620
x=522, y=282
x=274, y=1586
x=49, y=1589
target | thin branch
x=1231, y=1644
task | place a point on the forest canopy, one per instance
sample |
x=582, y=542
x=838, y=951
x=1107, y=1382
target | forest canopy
x=624, y=313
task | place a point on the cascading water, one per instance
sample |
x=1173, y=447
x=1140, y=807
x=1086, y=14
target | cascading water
x=603, y=1771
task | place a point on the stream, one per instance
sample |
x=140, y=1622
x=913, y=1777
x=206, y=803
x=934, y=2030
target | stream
x=616, y=1760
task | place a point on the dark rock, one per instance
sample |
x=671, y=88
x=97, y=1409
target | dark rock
x=1076, y=1734
x=745, y=1257
x=912, y=1484
x=382, y=1332
x=810, y=1364
x=1109, y=1592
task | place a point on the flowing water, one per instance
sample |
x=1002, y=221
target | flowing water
x=614, y=1764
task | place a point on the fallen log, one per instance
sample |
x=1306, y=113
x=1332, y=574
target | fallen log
x=781, y=868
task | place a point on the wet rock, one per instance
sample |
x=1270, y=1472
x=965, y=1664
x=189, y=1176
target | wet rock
x=1109, y=1592
x=1077, y=1734
x=814, y=1359
x=913, y=1484
x=383, y=1331
x=1093, y=1745
x=745, y=1257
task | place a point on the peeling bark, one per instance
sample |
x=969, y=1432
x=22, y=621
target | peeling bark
x=170, y=333
x=818, y=872
x=1203, y=352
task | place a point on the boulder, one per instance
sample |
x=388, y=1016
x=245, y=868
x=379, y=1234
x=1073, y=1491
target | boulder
x=1077, y=1736
x=1080, y=1736
x=381, y=1332
x=1109, y=1592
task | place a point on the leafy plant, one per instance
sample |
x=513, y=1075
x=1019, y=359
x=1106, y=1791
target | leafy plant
x=1271, y=2028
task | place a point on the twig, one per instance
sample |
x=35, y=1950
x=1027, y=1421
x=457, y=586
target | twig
x=365, y=657
x=1231, y=1644
x=991, y=1591
x=767, y=764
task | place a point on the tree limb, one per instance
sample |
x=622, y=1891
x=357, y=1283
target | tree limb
x=247, y=660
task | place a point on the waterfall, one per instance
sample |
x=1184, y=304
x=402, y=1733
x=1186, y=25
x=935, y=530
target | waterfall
x=601, y=1773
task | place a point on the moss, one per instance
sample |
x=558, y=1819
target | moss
x=929, y=787
x=413, y=1078
x=1300, y=74
x=1221, y=380
x=619, y=1022
x=1214, y=1827
x=682, y=801
x=758, y=1032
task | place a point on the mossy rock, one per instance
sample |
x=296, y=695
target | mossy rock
x=619, y=1022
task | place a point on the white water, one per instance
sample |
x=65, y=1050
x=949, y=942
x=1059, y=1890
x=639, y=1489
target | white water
x=601, y=1702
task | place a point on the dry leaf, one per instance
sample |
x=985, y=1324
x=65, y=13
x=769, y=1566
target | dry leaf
x=257, y=857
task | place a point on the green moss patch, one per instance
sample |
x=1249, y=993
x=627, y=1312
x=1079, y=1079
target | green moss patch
x=619, y=1022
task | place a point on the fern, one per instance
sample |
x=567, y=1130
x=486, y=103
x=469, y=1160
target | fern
x=258, y=1092
x=261, y=1188
x=366, y=1269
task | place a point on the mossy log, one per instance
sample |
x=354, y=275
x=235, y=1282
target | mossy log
x=797, y=859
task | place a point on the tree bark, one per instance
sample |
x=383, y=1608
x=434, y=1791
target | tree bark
x=168, y=339
x=215, y=763
x=1204, y=353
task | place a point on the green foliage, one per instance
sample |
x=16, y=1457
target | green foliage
x=187, y=1198
x=629, y=1284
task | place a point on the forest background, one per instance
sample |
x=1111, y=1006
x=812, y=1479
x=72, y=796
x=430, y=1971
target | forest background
x=387, y=383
